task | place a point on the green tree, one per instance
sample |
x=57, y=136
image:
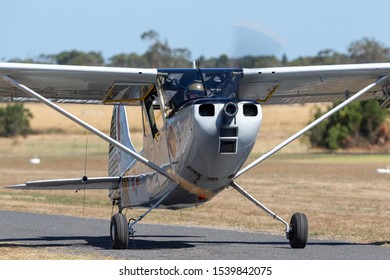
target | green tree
x=160, y=54
x=15, y=120
x=257, y=61
x=368, y=50
x=75, y=57
x=181, y=57
x=128, y=60
x=358, y=124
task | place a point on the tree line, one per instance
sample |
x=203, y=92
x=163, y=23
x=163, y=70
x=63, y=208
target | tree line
x=160, y=54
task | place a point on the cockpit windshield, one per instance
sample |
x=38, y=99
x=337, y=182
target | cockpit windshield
x=183, y=85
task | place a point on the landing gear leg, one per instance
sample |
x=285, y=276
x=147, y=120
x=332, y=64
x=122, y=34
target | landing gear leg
x=130, y=228
x=296, y=231
x=131, y=231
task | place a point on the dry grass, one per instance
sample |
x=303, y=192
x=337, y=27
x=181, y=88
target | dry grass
x=342, y=195
x=13, y=251
x=46, y=119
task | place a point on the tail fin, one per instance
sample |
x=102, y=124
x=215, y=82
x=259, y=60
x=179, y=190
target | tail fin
x=119, y=161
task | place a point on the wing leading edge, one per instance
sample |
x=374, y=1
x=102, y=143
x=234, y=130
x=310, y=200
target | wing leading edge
x=309, y=84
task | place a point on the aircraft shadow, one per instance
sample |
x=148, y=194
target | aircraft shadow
x=57, y=241
x=152, y=242
x=380, y=243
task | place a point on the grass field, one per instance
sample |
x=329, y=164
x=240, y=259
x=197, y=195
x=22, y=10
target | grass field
x=342, y=195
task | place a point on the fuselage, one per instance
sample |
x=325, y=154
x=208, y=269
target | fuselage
x=203, y=143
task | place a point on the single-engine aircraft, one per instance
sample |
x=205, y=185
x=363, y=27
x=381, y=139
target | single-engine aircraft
x=199, y=126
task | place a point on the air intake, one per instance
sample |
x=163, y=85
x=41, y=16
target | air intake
x=250, y=110
x=207, y=110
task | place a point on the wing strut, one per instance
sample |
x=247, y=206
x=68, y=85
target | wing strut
x=90, y=128
x=310, y=126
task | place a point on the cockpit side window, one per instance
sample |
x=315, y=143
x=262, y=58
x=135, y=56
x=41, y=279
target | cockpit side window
x=149, y=118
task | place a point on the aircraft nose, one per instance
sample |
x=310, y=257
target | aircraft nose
x=224, y=134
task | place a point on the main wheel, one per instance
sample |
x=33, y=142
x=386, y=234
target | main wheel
x=119, y=232
x=299, y=231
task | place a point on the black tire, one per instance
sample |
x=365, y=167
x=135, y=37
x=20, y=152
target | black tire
x=119, y=232
x=299, y=231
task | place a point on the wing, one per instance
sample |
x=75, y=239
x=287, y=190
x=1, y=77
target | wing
x=279, y=85
x=304, y=84
x=96, y=183
x=77, y=84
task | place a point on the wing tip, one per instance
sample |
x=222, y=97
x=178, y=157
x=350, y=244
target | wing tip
x=18, y=187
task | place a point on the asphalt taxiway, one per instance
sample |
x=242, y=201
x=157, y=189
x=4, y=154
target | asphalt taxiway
x=79, y=236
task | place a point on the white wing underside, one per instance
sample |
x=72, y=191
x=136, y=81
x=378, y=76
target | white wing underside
x=310, y=84
x=279, y=85
x=71, y=84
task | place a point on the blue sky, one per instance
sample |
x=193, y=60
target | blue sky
x=206, y=27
